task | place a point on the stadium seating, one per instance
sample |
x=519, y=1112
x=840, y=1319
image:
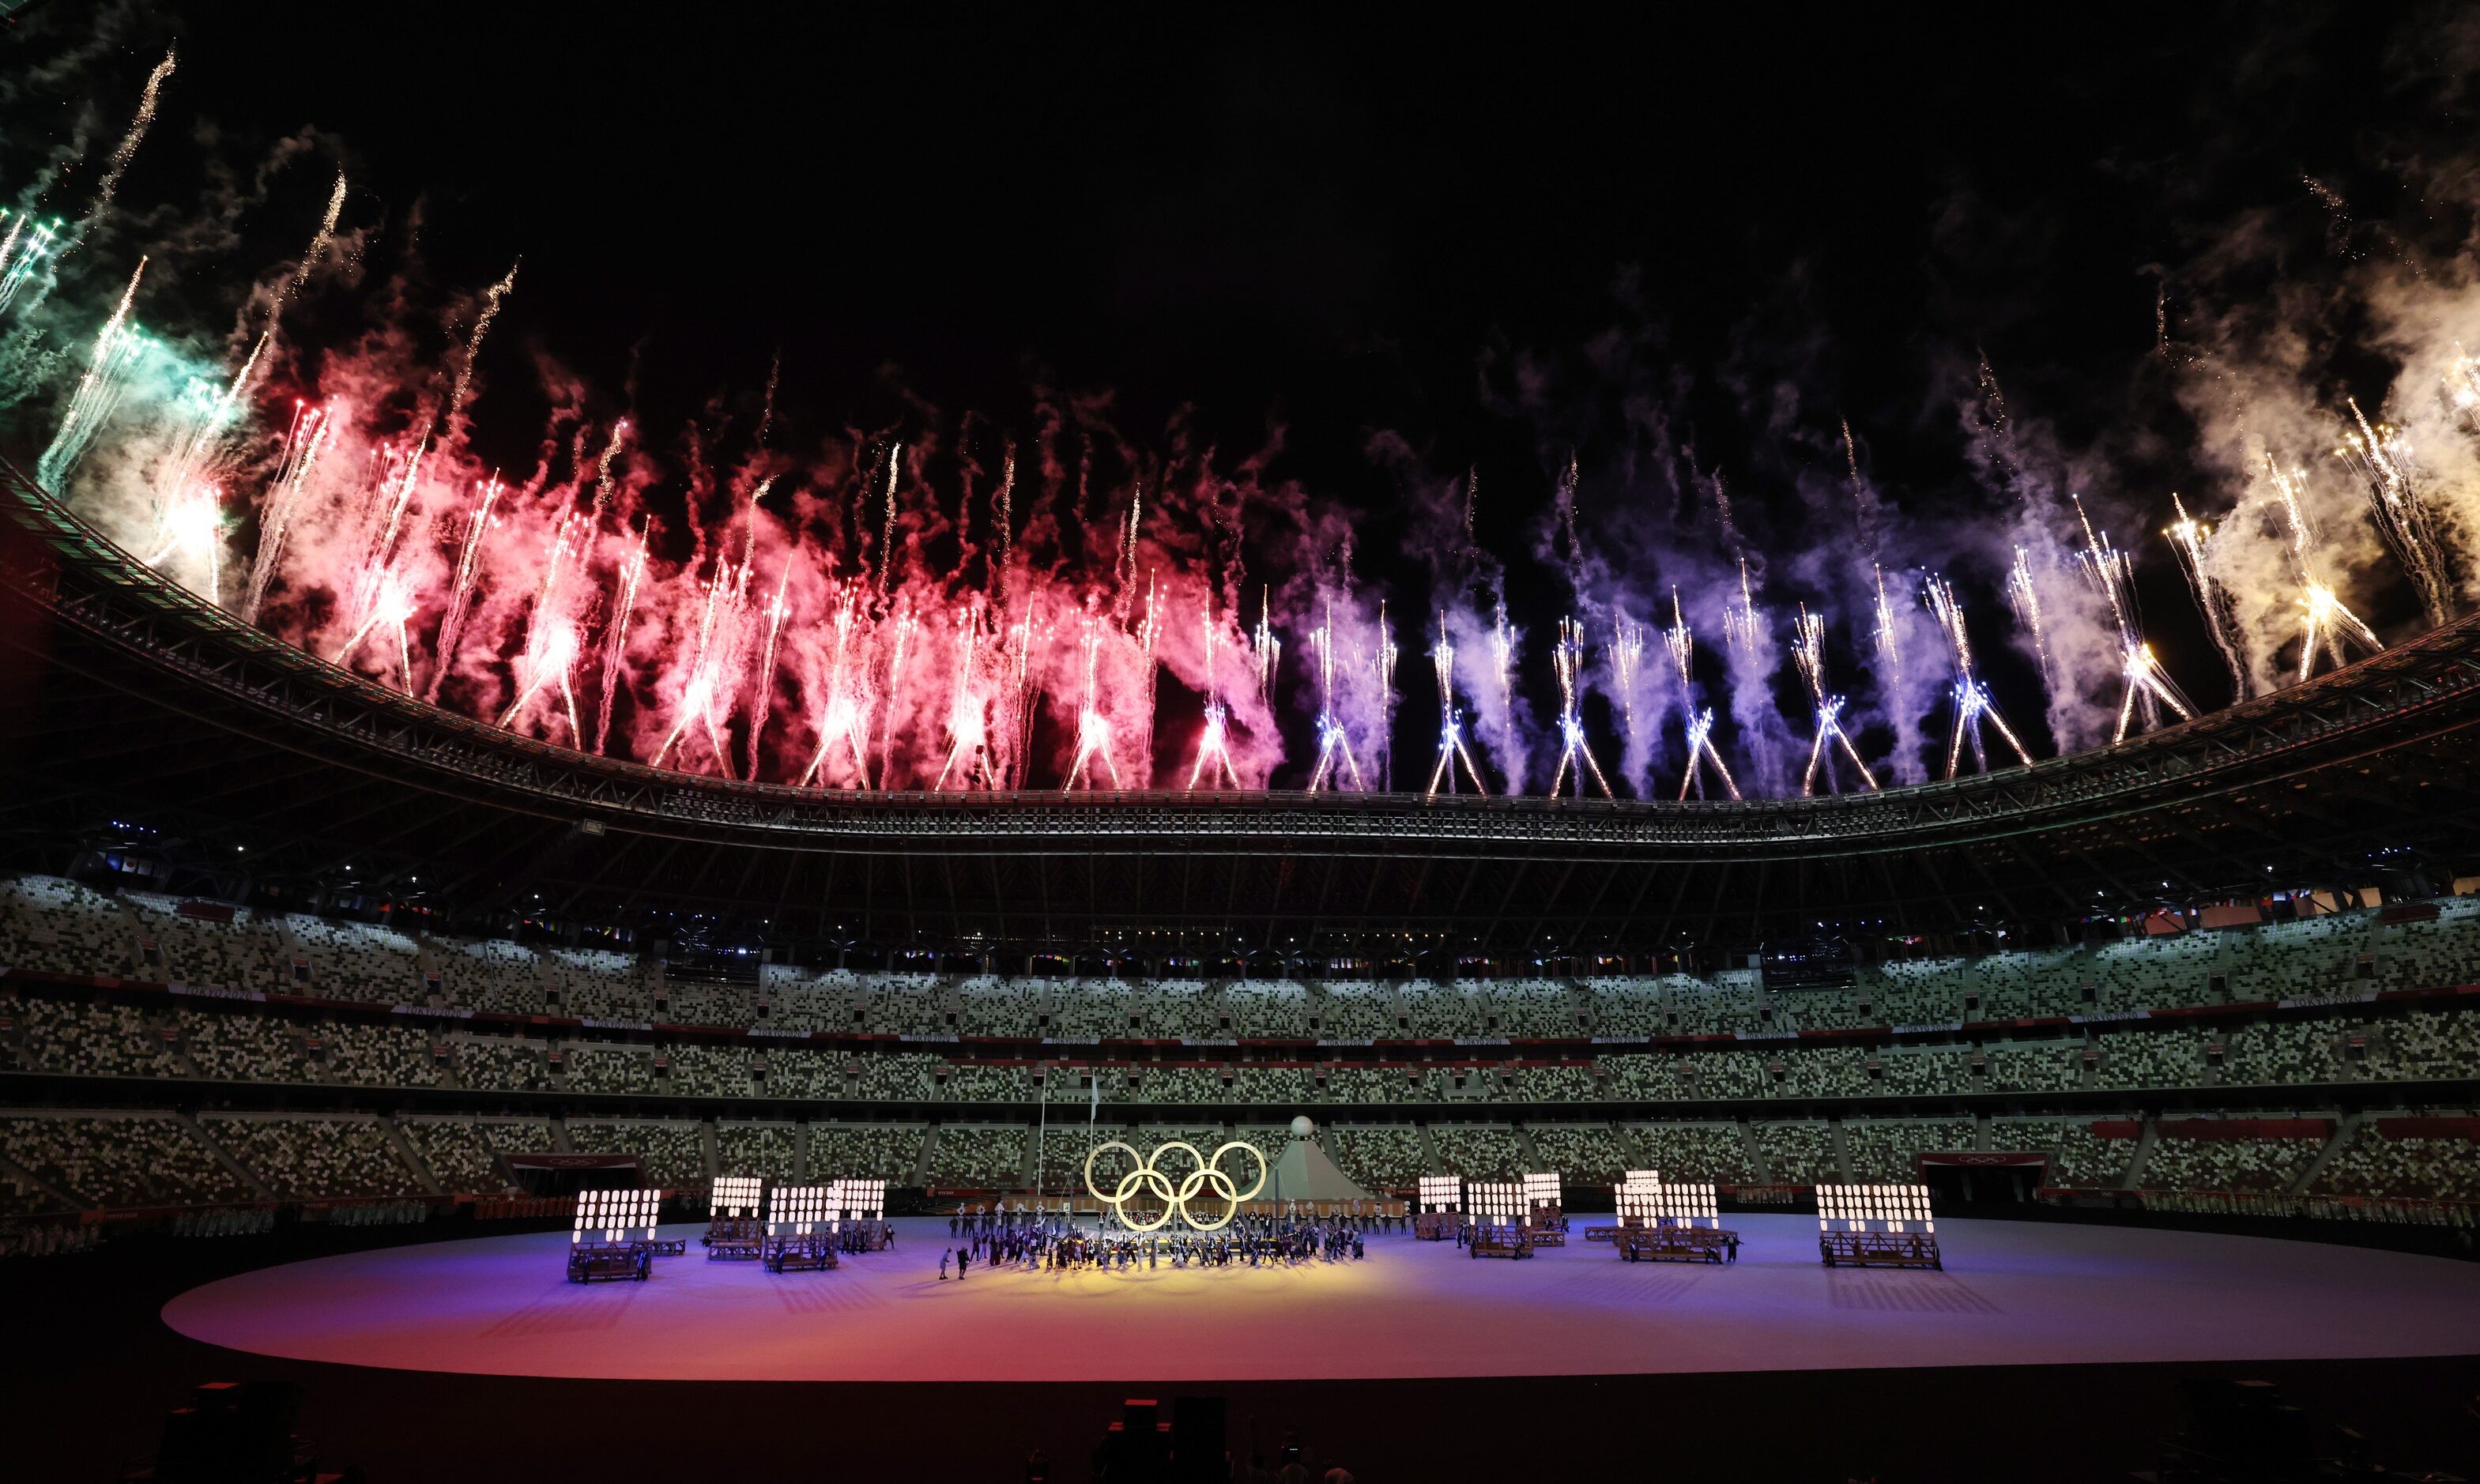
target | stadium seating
x=1584, y=1153
x=314, y=1003
x=2375, y=1161
x=673, y=1154
x=869, y=1151
x=1881, y=1151
x=765, y=1149
x=979, y=1158
x=123, y=1160
x=1377, y=1157
x=299, y=1158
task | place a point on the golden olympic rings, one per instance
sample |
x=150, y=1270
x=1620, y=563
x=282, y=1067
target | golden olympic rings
x=1147, y=1180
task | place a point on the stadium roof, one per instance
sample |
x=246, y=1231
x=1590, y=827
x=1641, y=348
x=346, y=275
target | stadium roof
x=126, y=700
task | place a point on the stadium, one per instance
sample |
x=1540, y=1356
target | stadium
x=363, y=1009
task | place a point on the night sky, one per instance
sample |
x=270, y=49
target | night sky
x=1507, y=241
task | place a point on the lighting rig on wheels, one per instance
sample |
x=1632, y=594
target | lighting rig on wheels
x=1497, y=1211
x=1877, y=1225
x=1545, y=1217
x=1671, y=1222
x=800, y=1228
x=1438, y=1214
x=615, y=1236
x=733, y=1229
x=863, y=1204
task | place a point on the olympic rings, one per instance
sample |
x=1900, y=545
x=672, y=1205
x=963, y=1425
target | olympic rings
x=1147, y=1180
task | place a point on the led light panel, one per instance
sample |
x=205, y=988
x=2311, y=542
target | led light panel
x=733, y=1196
x=796, y=1211
x=615, y=1215
x=1879, y=1208
x=1497, y=1202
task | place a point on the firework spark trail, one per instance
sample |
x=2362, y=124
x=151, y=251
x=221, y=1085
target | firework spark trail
x=905, y=623
x=2024, y=593
x=1005, y=501
x=463, y=386
x=8, y=240
x=460, y=592
x=1973, y=705
x=1333, y=743
x=1627, y=662
x=1148, y=629
x=394, y=606
x=552, y=646
x=615, y=640
x=843, y=722
x=1504, y=741
x=2146, y=688
x=1864, y=503
x=967, y=725
x=2188, y=538
x=320, y=241
x=717, y=667
x=198, y=445
x=304, y=443
x=886, y=527
x=1568, y=658
x=1212, y=749
x=126, y=151
x=1451, y=722
x=762, y=707
x=1265, y=650
x=1092, y=728
x=1750, y=641
x=604, y=480
x=549, y=654
x=1886, y=637
x=1808, y=651
x=2327, y=627
x=2381, y=457
x=32, y=247
x=392, y=495
x=1025, y=691
x=1681, y=641
x=1383, y=659
x=118, y=350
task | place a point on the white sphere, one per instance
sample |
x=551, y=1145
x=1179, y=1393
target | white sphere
x=1301, y=1127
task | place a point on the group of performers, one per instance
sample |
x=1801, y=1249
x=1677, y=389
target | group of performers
x=1046, y=1241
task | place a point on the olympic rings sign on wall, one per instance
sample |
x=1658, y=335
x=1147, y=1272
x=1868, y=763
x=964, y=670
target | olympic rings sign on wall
x=1146, y=1180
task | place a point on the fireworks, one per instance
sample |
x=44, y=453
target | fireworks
x=2188, y=538
x=2024, y=594
x=1568, y=659
x=1093, y=727
x=1451, y=722
x=26, y=249
x=2382, y=459
x=1333, y=745
x=1973, y=705
x=1213, y=752
x=116, y=352
x=1808, y=651
x=1700, y=718
x=860, y=632
x=2146, y=688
